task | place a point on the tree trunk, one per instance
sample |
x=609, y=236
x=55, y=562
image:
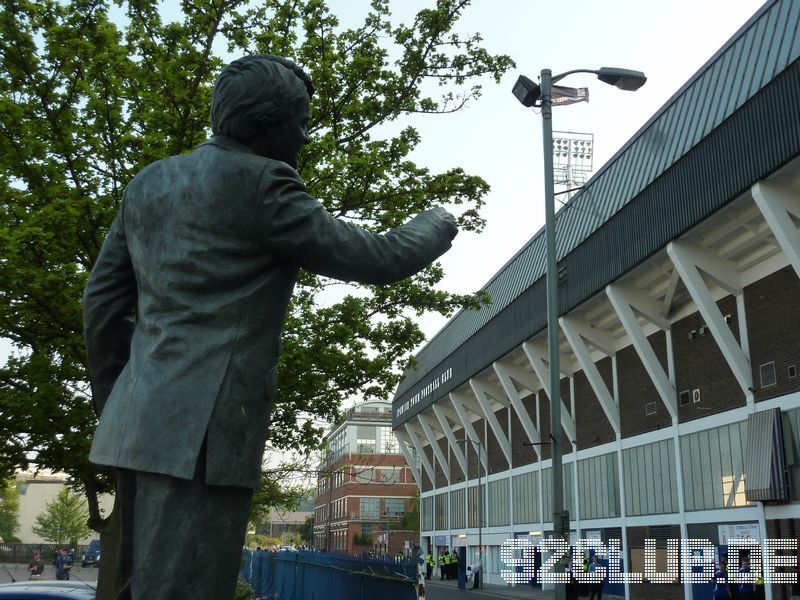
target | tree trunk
x=109, y=542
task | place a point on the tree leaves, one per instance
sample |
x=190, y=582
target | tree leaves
x=87, y=101
x=63, y=520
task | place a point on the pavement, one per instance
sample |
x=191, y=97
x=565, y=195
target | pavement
x=20, y=572
x=448, y=590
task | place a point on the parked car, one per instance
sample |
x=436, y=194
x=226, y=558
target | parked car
x=48, y=590
x=92, y=554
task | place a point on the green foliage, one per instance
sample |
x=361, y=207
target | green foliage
x=362, y=539
x=64, y=519
x=255, y=540
x=281, y=488
x=410, y=520
x=9, y=509
x=243, y=591
x=306, y=531
x=291, y=538
x=86, y=102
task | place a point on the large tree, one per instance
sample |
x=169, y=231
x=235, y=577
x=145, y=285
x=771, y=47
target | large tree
x=87, y=100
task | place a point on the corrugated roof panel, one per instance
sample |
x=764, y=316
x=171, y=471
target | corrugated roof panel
x=757, y=61
x=724, y=85
x=671, y=134
x=706, y=110
x=660, y=139
x=706, y=89
x=682, y=133
x=626, y=175
x=765, y=46
x=573, y=221
x=779, y=27
x=791, y=37
x=767, y=71
x=742, y=69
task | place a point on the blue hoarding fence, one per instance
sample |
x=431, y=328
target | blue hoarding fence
x=310, y=575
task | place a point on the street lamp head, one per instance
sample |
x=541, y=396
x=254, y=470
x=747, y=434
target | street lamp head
x=624, y=79
x=526, y=91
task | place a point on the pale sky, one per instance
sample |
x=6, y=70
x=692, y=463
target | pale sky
x=497, y=138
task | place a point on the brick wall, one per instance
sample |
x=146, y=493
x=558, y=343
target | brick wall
x=441, y=476
x=773, y=330
x=520, y=453
x=699, y=364
x=591, y=422
x=471, y=450
x=456, y=474
x=426, y=481
x=544, y=412
x=636, y=389
x=497, y=459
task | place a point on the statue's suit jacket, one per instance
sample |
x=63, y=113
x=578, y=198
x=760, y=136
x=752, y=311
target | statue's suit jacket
x=185, y=305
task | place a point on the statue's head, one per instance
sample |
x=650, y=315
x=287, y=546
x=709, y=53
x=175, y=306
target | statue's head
x=263, y=102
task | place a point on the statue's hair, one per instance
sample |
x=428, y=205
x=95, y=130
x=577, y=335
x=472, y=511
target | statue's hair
x=257, y=92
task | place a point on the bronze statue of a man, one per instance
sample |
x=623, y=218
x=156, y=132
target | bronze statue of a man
x=183, y=316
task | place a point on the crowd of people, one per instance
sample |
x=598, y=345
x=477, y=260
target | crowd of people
x=447, y=563
x=62, y=561
x=724, y=588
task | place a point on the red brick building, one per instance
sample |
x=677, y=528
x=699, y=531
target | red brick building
x=365, y=485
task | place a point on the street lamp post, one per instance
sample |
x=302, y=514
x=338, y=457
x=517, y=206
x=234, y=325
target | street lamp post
x=480, y=508
x=528, y=93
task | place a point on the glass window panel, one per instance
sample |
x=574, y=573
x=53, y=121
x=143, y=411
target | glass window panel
x=369, y=507
x=395, y=506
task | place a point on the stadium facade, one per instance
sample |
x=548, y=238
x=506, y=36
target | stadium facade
x=679, y=304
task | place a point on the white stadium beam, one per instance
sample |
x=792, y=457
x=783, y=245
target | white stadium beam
x=426, y=427
x=690, y=260
x=403, y=442
x=625, y=300
x=578, y=332
x=669, y=295
x=778, y=204
x=507, y=372
x=455, y=448
x=458, y=399
x=415, y=440
x=537, y=354
x=482, y=393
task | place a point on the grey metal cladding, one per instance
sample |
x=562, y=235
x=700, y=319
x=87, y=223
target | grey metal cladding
x=602, y=231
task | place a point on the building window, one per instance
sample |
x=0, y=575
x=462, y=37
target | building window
x=365, y=439
x=767, y=372
x=395, y=507
x=389, y=475
x=387, y=441
x=369, y=507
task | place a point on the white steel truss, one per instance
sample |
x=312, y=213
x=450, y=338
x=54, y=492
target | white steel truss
x=537, y=353
x=459, y=399
x=691, y=261
x=625, y=301
x=441, y=413
x=403, y=441
x=483, y=390
x=507, y=373
x=437, y=450
x=779, y=204
x=415, y=439
x=578, y=332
